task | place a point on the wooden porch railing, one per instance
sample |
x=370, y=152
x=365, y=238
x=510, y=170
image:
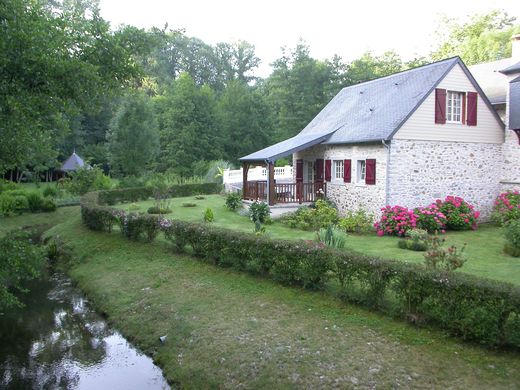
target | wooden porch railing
x=286, y=192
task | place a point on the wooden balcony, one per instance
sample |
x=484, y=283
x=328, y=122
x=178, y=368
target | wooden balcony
x=285, y=192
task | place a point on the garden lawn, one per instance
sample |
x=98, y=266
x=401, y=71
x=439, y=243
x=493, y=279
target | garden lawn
x=484, y=246
x=30, y=219
x=227, y=330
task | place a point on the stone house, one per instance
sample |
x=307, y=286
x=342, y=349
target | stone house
x=405, y=139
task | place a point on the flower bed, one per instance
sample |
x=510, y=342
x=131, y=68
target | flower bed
x=506, y=208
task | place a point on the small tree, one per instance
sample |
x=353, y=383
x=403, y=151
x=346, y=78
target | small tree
x=133, y=138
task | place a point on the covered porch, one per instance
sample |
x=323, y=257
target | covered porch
x=308, y=184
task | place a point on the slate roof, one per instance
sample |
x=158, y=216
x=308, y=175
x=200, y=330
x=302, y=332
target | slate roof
x=72, y=163
x=372, y=111
x=515, y=68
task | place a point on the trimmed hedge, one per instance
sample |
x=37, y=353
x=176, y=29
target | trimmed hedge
x=470, y=307
x=125, y=195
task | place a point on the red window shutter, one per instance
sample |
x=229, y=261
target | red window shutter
x=328, y=170
x=463, y=109
x=370, y=173
x=472, y=108
x=440, y=106
x=319, y=170
x=299, y=170
x=347, y=171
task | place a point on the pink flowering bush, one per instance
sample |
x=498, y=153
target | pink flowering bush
x=460, y=215
x=506, y=208
x=395, y=221
x=431, y=219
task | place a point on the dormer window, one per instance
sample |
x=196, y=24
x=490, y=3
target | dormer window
x=454, y=106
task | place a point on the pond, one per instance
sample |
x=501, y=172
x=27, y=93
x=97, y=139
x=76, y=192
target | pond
x=59, y=341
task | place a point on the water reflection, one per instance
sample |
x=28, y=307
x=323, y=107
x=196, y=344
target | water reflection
x=58, y=341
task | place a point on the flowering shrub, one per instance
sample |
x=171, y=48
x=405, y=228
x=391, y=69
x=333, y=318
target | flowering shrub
x=460, y=215
x=396, y=220
x=506, y=208
x=430, y=218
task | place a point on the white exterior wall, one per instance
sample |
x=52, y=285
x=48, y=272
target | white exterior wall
x=423, y=171
x=352, y=196
x=421, y=125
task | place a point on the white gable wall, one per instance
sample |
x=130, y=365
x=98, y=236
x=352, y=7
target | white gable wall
x=421, y=125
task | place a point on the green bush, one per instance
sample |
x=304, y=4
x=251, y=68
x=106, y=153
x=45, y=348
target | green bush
x=259, y=212
x=7, y=185
x=417, y=240
x=188, y=204
x=438, y=257
x=512, y=234
x=35, y=201
x=50, y=192
x=7, y=204
x=357, y=222
x=20, y=204
x=506, y=208
x=87, y=179
x=20, y=260
x=131, y=181
x=233, y=201
x=208, y=215
x=48, y=205
x=331, y=236
x=158, y=210
x=306, y=218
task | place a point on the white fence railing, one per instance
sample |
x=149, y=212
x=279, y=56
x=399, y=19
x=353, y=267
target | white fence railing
x=257, y=173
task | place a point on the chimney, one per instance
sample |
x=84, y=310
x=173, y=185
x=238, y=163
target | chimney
x=515, y=47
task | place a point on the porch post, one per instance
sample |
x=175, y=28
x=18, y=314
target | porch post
x=245, y=168
x=270, y=178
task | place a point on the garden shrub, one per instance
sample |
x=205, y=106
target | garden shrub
x=35, y=200
x=20, y=204
x=87, y=179
x=7, y=185
x=357, y=222
x=208, y=215
x=512, y=234
x=188, y=204
x=233, y=201
x=417, y=240
x=460, y=215
x=158, y=210
x=259, y=212
x=396, y=221
x=131, y=181
x=430, y=218
x=506, y=208
x=48, y=205
x=50, y=192
x=332, y=236
x=200, y=197
x=438, y=257
x=7, y=204
x=315, y=218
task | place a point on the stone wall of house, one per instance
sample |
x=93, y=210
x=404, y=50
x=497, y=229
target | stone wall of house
x=511, y=168
x=422, y=171
x=355, y=195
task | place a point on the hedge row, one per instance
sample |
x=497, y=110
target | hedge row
x=473, y=308
x=134, y=194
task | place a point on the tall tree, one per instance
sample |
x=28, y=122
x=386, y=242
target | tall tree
x=485, y=37
x=133, y=139
x=188, y=126
x=57, y=61
x=369, y=67
x=245, y=120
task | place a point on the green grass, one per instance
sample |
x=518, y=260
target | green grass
x=62, y=214
x=484, y=246
x=227, y=329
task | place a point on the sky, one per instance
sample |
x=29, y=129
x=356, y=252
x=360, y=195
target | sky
x=346, y=28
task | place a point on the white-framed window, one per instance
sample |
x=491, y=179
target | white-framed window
x=361, y=171
x=310, y=171
x=338, y=169
x=454, y=106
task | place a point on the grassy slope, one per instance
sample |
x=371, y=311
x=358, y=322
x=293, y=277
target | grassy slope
x=226, y=329
x=484, y=249
x=62, y=214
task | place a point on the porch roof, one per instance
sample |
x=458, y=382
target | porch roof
x=287, y=147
